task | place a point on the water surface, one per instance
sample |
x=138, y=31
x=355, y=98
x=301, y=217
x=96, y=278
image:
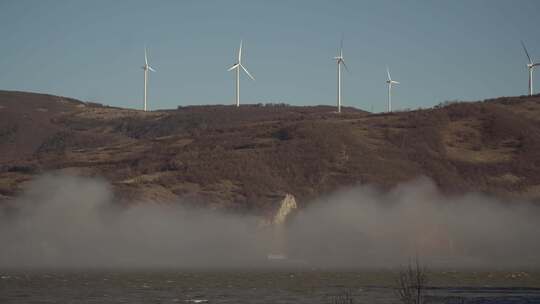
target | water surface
x=257, y=286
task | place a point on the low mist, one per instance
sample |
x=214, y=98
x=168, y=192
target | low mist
x=66, y=221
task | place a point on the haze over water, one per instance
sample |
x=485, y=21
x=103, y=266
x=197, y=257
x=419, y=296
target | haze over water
x=67, y=221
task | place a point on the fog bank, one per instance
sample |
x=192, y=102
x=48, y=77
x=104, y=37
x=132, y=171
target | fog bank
x=66, y=221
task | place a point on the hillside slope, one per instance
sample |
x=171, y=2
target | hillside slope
x=246, y=158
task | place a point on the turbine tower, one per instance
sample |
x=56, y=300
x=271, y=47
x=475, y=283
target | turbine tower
x=340, y=61
x=237, y=66
x=390, y=83
x=530, y=67
x=146, y=68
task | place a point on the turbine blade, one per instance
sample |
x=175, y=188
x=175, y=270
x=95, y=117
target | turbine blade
x=240, y=52
x=395, y=82
x=233, y=67
x=526, y=53
x=344, y=65
x=245, y=70
x=151, y=69
x=341, y=46
x=145, y=57
x=388, y=72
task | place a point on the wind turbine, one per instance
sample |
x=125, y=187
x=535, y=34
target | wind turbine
x=390, y=83
x=530, y=66
x=146, y=68
x=340, y=61
x=237, y=66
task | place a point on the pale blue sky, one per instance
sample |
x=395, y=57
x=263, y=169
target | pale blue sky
x=438, y=50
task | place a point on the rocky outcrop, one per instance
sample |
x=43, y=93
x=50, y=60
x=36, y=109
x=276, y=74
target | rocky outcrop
x=287, y=206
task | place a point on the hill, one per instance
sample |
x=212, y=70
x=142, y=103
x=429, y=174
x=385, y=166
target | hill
x=246, y=158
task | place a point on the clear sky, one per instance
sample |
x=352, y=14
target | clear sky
x=438, y=50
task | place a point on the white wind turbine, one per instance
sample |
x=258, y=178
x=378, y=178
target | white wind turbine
x=390, y=83
x=146, y=68
x=530, y=67
x=237, y=66
x=340, y=60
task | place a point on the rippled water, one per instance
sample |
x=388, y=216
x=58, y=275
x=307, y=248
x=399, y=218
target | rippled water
x=257, y=286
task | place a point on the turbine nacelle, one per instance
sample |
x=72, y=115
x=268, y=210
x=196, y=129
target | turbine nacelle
x=149, y=68
x=341, y=60
x=531, y=66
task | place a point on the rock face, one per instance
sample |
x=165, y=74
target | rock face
x=244, y=159
x=287, y=206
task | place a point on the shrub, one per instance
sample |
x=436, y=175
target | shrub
x=411, y=284
x=344, y=298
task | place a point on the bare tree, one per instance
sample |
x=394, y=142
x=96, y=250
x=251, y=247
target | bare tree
x=344, y=298
x=411, y=284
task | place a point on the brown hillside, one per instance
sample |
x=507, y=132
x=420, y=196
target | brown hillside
x=244, y=158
